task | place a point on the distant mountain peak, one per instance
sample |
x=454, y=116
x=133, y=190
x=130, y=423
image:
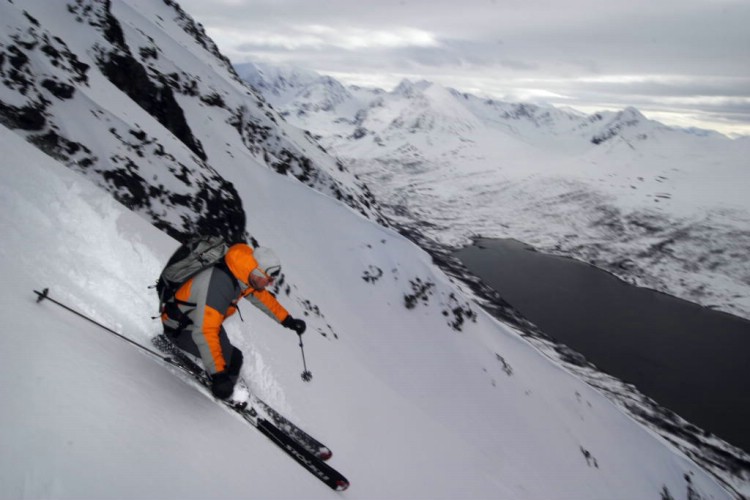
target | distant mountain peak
x=407, y=88
x=275, y=79
x=629, y=119
x=631, y=113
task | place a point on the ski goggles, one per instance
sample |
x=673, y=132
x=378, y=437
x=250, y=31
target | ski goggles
x=271, y=274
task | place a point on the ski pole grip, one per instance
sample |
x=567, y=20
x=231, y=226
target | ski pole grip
x=41, y=295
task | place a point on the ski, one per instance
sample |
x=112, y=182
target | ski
x=181, y=360
x=317, y=467
x=308, y=442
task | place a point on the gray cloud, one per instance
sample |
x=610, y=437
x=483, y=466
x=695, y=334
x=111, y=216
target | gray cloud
x=585, y=52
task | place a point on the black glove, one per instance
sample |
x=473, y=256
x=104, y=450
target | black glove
x=297, y=325
x=222, y=385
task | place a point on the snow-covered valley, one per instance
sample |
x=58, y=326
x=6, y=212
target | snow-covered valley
x=659, y=207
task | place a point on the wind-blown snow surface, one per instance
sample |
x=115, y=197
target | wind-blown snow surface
x=660, y=207
x=411, y=407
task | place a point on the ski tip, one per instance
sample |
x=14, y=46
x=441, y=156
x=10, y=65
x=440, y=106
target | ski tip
x=342, y=484
x=324, y=454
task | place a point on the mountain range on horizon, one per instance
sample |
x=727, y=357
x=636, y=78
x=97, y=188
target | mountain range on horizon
x=282, y=84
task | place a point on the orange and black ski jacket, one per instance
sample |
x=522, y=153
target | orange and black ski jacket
x=211, y=296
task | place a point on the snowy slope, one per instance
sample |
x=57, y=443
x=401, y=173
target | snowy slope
x=418, y=392
x=661, y=207
x=84, y=414
x=411, y=407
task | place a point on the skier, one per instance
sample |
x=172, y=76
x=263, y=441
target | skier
x=193, y=318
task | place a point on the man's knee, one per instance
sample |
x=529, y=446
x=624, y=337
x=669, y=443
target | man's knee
x=183, y=340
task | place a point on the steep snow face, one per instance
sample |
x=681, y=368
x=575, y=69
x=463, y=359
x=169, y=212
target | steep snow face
x=659, y=207
x=136, y=96
x=414, y=402
x=85, y=415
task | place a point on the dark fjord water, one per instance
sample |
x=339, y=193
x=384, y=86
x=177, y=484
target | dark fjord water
x=690, y=359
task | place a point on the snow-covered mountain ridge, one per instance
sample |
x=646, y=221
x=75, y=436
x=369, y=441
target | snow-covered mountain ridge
x=419, y=393
x=97, y=58
x=660, y=207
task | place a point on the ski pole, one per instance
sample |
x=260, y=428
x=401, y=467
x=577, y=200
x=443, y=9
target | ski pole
x=44, y=294
x=306, y=375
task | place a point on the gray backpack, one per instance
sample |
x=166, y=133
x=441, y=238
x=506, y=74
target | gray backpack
x=187, y=261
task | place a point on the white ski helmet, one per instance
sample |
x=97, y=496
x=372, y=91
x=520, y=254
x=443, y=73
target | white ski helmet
x=268, y=261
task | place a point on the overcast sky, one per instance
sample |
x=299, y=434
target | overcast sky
x=683, y=62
